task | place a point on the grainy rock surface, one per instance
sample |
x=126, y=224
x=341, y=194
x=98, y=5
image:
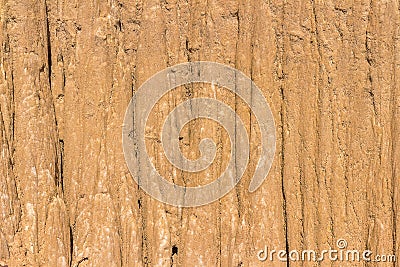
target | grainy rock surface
x=330, y=71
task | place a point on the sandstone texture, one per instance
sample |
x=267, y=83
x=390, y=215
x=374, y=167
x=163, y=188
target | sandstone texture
x=330, y=71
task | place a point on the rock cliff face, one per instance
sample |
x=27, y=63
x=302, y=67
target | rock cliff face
x=330, y=71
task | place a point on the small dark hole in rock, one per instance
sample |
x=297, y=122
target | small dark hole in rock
x=174, y=250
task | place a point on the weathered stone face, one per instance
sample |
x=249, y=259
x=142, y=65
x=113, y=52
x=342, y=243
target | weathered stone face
x=68, y=69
